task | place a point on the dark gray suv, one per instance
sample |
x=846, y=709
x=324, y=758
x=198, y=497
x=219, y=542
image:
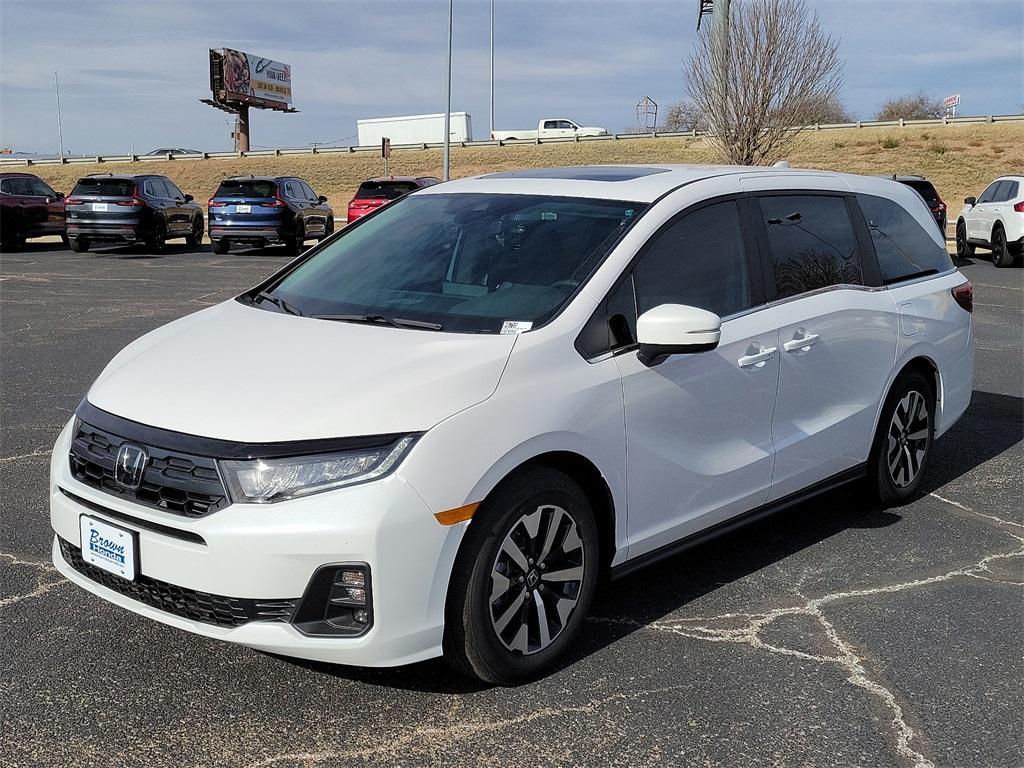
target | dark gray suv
x=129, y=209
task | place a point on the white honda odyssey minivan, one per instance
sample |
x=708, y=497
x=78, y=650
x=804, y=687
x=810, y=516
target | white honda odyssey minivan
x=432, y=433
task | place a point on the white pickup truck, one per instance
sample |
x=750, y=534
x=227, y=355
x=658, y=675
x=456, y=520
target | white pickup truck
x=550, y=128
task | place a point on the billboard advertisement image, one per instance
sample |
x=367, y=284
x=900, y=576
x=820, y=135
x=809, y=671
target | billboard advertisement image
x=245, y=77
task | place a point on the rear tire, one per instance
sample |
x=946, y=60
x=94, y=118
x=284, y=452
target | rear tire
x=156, y=243
x=195, y=238
x=506, y=618
x=1001, y=255
x=221, y=246
x=964, y=250
x=903, y=440
x=298, y=240
x=78, y=244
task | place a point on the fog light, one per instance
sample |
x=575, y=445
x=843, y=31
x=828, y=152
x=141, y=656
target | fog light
x=338, y=601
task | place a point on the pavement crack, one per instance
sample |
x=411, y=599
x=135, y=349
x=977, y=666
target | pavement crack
x=433, y=737
x=974, y=512
x=21, y=456
x=45, y=580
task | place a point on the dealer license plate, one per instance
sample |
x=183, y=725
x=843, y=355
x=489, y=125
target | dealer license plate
x=109, y=547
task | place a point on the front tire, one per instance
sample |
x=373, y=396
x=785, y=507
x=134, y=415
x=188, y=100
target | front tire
x=328, y=229
x=964, y=250
x=903, y=441
x=524, y=579
x=1001, y=255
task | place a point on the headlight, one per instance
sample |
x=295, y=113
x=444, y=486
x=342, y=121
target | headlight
x=260, y=481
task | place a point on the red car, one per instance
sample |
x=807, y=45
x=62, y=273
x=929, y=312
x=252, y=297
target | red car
x=373, y=193
x=28, y=208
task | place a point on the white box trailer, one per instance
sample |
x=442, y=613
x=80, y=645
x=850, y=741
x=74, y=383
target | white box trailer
x=414, y=129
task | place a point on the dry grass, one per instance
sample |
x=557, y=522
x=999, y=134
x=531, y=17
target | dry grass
x=971, y=156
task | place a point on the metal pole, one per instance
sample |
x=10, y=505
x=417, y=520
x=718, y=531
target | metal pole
x=720, y=30
x=243, y=128
x=448, y=107
x=60, y=132
x=492, y=69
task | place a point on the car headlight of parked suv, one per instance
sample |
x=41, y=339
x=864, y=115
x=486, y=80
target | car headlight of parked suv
x=261, y=481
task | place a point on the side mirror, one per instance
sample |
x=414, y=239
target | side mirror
x=189, y=198
x=60, y=196
x=676, y=329
x=971, y=200
x=322, y=198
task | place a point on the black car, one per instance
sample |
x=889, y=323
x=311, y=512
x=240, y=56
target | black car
x=125, y=209
x=931, y=196
x=264, y=210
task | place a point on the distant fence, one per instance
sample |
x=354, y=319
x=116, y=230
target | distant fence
x=942, y=121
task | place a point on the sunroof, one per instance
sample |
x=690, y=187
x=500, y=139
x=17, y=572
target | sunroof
x=581, y=173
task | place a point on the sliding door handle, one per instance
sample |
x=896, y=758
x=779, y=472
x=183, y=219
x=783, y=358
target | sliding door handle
x=758, y=358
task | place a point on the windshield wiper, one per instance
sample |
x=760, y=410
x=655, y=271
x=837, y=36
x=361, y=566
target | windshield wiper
x=277, y=301
x=397, y=322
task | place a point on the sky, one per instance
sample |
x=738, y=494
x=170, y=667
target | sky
x=132, y=73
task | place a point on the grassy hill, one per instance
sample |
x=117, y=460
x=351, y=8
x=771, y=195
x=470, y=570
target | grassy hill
x=959, y=159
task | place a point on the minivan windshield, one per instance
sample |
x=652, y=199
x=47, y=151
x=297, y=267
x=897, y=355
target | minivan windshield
x=468, y=263
x=254, y=188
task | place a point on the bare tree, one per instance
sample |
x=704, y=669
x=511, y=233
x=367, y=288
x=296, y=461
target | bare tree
x=914, y=106
x=684, y=116
x=777, y=60
x=824, y=111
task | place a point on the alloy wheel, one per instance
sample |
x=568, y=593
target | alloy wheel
x=908, y=439
x=536, y=579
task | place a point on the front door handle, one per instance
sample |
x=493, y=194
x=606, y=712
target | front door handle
x=757, y=358
x=801, y=342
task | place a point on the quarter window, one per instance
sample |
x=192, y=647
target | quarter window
x=903, y=247
x=700, y=260
x=811, y=243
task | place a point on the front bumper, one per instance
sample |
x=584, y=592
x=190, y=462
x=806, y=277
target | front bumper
x=270, y=552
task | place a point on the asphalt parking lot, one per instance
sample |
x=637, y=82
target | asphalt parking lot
x=831, y=634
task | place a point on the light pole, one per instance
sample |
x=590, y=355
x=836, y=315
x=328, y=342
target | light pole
x=448, y=103
x=60, y=132
x=492, y=69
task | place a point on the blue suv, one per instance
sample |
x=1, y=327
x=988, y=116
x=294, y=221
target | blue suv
x=266, y=210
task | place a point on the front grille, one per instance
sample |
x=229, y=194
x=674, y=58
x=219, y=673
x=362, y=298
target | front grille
x=174, y=482
x=203, y=607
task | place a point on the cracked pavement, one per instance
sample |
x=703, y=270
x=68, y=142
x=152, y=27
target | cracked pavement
x=830, y=634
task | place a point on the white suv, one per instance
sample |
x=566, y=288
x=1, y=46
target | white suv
x=432, y=433
x=995, y=220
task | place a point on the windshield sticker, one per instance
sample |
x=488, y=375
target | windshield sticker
x=511, y=327
x=548, y=216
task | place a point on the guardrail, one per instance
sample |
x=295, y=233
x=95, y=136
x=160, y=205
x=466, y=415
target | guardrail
x=26, y=161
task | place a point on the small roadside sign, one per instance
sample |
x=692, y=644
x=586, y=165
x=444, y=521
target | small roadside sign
x=951, y=103
x=385, y=147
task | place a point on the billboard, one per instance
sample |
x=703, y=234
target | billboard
x=242, y=78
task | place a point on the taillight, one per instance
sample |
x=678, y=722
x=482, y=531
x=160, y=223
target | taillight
x=1019, y=207
x=73, y=201
x=135, y=202
x=212, y=203
x=277, y=203
x=964, y=296
x=940, y=206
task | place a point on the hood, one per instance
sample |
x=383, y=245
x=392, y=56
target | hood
x=239, y=373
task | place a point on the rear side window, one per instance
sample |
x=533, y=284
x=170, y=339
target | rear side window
x=253, y=188
x=105, y=187
x=811, y=242
x=700, y=260
x=903, y=247
x=155, y=188
x=389, y=190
